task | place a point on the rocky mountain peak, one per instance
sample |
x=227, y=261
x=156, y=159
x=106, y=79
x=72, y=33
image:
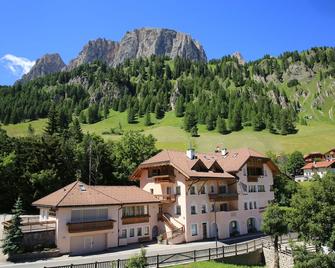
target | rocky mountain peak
x=47, y=64
x=100, y=49
x=239, y=57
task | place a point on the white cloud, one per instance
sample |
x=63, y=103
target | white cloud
x=17, y=65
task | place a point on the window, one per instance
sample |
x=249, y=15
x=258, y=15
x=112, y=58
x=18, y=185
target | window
x=178, y=210
x=155, y=172
x=146, y=230
x=193, y=210
x=168, y=190
x=192, y=190
x=255, y=171
x=178, y=190
x=203, y=209
x=255, y=204
x=123, y=233
x=131, y=232
x=86, y=215
x=203, y=190
x=224, y=207
x=250, y=205
x=261, y=188
x=194, y=229
x=134, y=211
x=151, y=190
x=212, y=188
x=222, y=189
x=139, y=231
x=246, y=205
x=252, y=188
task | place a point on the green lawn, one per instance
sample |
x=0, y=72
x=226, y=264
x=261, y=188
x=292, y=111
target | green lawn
x=212, y=264
x=317, y=136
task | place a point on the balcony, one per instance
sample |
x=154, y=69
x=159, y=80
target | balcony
x=165, y=178
x=223, y=197
x=78, y=227
x=166, y=198
x=135, y=219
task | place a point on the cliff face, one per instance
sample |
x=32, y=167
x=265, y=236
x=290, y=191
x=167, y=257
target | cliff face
x=49, y=63
x=100, y=49
x=138, y=43
x=164, y=42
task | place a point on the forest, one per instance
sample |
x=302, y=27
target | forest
x=225, y=95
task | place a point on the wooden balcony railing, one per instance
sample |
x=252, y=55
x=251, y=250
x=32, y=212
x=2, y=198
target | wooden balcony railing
x=135, y=219
x=78, y=227
x=223, y=197
x=166, y=198
x=163, y=178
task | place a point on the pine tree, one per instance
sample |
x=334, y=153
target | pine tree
x=82, y=117
x=190, y=118
x=131, y=116
x=13, y=235
x=106, y=111
x=210, y=121
x=147, y=119
x=53, y=122
x=159, y=111
x=221, y=125
x=76, y=131
x=179, y=109
x=235, y=123
x=194, y=131
x=31, y=130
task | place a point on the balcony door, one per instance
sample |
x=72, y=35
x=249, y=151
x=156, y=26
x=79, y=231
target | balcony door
x=168, y=190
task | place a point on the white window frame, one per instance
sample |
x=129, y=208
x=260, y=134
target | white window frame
x=178, y=187
x=195, y=190
x=137, y=229
x=146, y=230
x=204, y=206
x=132, y=230
x=196, y=229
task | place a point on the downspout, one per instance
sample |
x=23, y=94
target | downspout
x=118, y=225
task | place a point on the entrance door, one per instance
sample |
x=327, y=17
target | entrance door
x=204, y=230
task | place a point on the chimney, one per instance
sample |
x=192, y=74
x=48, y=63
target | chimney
x=224, y=151
x=190, y=153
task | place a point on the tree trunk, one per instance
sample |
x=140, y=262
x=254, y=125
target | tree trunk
x=276, y=253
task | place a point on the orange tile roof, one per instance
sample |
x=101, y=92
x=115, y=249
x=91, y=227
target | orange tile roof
x=230, y=163
x=320, y=164
x=81, y=194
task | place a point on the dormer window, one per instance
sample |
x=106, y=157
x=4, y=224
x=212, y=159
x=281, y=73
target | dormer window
x=192, y=190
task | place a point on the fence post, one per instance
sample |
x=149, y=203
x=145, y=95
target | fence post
x=118, y=263
x=254, y=245
x=194, y=256
x=235, y=249
x=157, y=261
x=209, y=254
x=71, y=265
x=247, y=247
x=222, y=251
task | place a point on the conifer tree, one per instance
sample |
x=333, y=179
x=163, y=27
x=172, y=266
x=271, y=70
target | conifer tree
x=190, y=118
x=13, y=235
x=53, y=122
x=210, y=121
x=131, y=116
x=194, y=131
x=76, y=131
x=221, y=125
x=179, y=109
x=159, y=111
x=31, y=130
x=147, y=119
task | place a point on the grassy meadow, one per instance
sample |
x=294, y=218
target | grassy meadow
x=317, y=136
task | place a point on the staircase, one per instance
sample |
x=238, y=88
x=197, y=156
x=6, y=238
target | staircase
x=176, y=235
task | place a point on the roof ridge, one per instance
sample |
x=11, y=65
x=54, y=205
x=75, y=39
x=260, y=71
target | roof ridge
x=74, y=184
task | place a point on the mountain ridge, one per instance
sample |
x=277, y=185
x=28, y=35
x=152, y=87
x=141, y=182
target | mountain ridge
x=142, y=42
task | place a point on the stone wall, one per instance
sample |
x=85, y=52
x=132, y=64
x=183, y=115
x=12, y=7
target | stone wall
x=41, y=239
x=285, y=260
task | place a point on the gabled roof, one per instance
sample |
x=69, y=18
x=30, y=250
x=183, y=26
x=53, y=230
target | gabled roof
x=81, y=194
x=312, y=154
x=331, y=151
x=320, y=164
x=230, y=163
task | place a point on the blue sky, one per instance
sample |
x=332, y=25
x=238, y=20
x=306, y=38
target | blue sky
x=32, y=28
